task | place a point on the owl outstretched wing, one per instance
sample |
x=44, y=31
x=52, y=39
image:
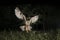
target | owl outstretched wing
x=19, y=14
x=34, y=19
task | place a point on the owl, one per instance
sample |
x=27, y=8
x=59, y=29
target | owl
x=27, y=27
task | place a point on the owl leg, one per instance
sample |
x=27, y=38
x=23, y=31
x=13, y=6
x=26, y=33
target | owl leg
x=28, y=28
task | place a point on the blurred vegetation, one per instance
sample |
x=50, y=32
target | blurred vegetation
x=33, y=35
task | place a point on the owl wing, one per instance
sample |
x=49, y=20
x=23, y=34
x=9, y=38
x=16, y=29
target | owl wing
x=34, y=19
x=22, y=28
x=19, y=14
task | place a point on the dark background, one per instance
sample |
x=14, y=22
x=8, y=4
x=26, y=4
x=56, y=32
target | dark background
x=50, y=19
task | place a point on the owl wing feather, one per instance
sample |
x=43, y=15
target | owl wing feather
x=22, y=28
x=19, y=14
x=34, y=19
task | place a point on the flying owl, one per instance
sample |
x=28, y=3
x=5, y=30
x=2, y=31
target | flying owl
x=21, y=16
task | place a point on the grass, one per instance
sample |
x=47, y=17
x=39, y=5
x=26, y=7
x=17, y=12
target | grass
x=33, y=35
